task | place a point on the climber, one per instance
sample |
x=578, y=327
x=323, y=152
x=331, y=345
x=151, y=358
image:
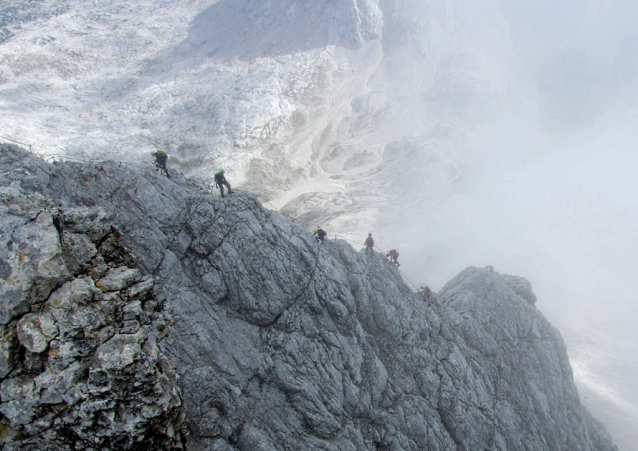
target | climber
x=369, y=242
x=489, y=268
x=425, y=292
x=393, y=255
x=319, y=234
x=220, y=181
x=160, y=161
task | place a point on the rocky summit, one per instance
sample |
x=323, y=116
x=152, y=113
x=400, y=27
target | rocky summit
x=140, y=312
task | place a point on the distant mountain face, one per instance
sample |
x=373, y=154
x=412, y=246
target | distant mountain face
x=315, y=104
x=333, y=111
x=330, y=110
x=249, y=29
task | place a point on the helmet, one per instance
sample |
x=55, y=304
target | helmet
x=315, y=231
x=153, y=153
x=221, y=171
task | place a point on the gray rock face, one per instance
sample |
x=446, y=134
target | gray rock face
x=279, y=343
x=521, y=287
x=261, y=28
x=75, y=374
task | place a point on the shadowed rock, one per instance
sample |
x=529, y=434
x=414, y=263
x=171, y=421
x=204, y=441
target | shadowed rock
x=283, y=344
x=75, y=372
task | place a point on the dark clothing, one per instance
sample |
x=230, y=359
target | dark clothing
x=221, y=187
x=220, y=178
x=220, y=181
x=425, y=292
x=160, y=162
x=369, y=242
x=320, y=235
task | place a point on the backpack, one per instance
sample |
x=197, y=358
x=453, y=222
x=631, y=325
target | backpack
x=160, y=154
x=219, y=177
x=321, y=233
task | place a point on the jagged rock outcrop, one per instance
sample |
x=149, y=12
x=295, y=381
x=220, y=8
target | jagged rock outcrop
x=521, y=287
x=284, y=344
x=79, y=361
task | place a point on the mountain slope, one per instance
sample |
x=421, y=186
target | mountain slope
x=284, y=344
x=499, y=132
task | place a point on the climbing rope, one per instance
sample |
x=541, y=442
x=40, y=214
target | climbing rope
x=382, y=252
x=412, y=284
x=18, y=142
x=408, y=280
x=76, y=160
x=48, y=158
x=298, y=297
x=65, y=158
x=79, y=160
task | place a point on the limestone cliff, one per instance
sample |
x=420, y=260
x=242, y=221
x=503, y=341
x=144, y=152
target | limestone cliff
x=279, y=343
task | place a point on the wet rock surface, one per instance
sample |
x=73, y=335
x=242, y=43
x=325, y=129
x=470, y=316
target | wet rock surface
x=279, y=343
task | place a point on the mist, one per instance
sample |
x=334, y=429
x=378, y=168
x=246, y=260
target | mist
x=565, y=218
x=460, y=132
x=542, y=186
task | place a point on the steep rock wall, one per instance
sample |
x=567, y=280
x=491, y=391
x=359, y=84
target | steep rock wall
x=79, y=363
x=284, y=344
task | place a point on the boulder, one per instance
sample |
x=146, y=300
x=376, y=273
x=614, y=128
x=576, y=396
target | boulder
x=118, y=278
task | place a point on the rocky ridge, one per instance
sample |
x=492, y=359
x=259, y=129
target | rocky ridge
x=279, y=343
x=79, y=361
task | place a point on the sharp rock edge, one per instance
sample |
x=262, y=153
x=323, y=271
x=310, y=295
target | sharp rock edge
x=139, y=311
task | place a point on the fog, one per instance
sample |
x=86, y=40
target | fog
x=544, y=185
x=566, y=219
x=465, y=132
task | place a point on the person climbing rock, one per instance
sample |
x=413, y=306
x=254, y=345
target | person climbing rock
x=489, y=268
x=393, y=255
x=160, y=161
x=319, y=234
x=369, y=243
x=426, y=292
x=220, y=181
